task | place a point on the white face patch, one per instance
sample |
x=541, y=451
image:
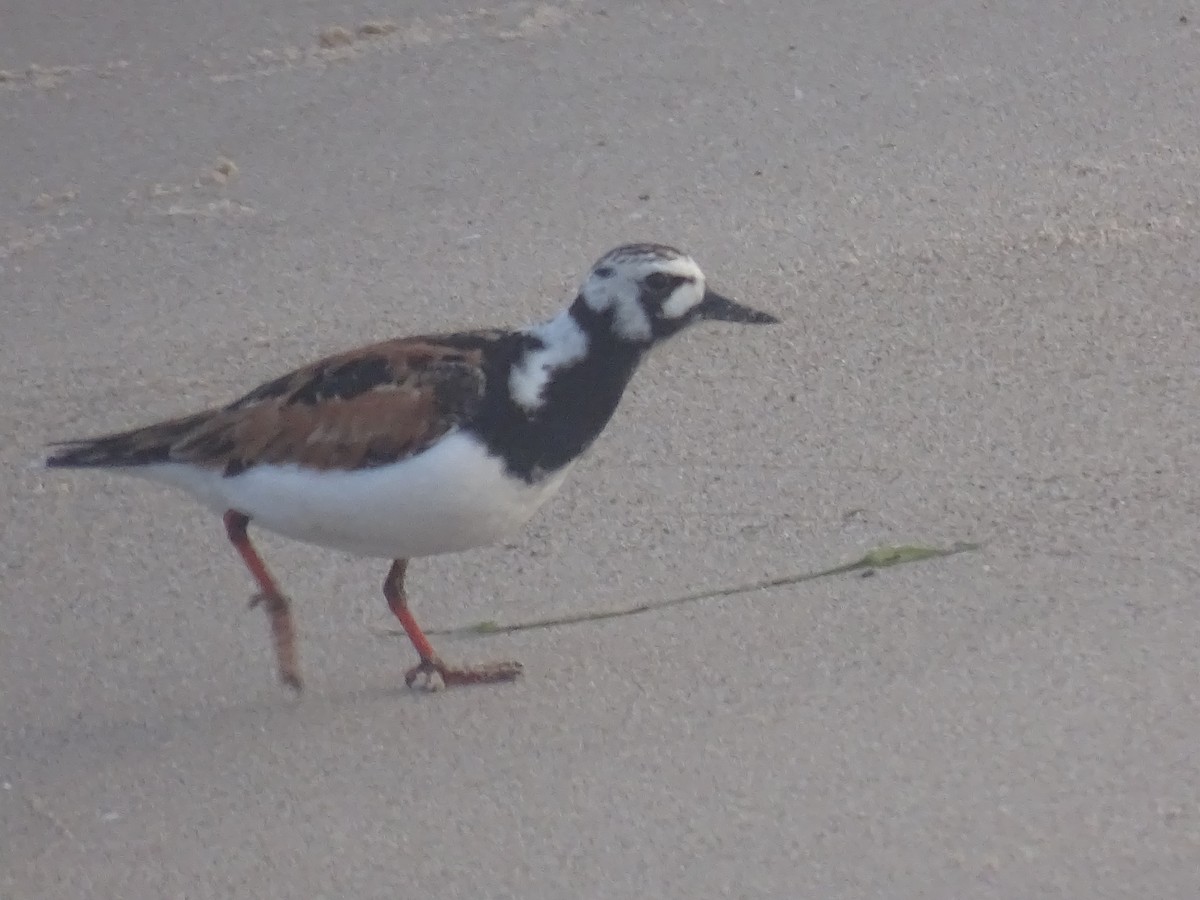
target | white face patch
x=564, y=344
x=683, y=299
x=630, y=319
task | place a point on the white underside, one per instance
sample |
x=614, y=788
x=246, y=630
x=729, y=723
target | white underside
x=451, y=497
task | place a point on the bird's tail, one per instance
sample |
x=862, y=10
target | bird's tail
x=138, y=447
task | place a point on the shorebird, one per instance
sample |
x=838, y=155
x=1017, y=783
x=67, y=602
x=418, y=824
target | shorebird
x=421, y=445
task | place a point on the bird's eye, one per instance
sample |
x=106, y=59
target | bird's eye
x=661, y=282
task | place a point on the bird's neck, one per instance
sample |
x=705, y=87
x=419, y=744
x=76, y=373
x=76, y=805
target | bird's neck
x=562, y=387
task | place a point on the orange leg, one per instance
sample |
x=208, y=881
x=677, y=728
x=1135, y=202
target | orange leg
x=279, y=612
x=393, y=590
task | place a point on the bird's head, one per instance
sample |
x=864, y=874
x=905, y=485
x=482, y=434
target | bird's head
x=648, y=292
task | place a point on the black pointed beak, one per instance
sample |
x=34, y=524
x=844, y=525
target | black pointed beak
x=721, y=309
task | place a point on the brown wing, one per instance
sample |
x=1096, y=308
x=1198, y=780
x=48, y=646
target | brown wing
x=355, y=410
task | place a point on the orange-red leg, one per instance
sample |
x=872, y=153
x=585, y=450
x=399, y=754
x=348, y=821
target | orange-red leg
x=279, y=612
x=393, y=590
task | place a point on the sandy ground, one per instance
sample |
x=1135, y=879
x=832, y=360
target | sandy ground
x=980, y=222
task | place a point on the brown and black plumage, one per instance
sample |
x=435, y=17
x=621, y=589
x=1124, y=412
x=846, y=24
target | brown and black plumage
x=419, y=445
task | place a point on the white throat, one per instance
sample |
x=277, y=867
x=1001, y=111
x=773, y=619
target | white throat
x=564, y=343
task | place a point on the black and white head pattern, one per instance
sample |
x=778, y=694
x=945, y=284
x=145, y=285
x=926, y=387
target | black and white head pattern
x=638, y=294
x=633, y=297
x=646, y=291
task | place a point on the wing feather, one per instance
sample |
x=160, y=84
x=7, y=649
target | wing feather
x=360, y=409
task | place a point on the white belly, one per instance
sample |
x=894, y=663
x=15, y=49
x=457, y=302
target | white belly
x=451, y=497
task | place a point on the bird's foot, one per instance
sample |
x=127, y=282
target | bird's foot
x=489, y=673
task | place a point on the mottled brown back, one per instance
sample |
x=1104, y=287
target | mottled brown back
x=364, y=408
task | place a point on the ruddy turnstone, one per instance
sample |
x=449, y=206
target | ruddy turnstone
x=420, y=445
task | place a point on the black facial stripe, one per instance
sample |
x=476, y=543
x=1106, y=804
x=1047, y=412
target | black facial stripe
x=661, y=281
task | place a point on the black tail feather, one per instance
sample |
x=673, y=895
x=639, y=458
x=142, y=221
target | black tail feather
x=137, y=447
x=105, y=452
